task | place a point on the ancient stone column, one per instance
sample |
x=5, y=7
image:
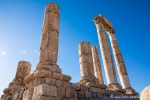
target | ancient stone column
x=50, y=30
x=119, y=60
x=85, y=55
x=97, y=65
x=105, y=52
x=86, y=63
x=47, y=66
x=23, y=69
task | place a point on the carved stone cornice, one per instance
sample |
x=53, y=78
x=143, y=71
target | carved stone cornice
x=101, y=19
x=110, y=31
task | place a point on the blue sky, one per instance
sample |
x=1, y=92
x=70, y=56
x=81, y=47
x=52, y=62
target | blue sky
x=21, y=29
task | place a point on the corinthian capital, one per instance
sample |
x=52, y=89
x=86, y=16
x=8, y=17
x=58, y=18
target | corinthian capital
x=101, y=19
x=110, y=31
x=97, y=19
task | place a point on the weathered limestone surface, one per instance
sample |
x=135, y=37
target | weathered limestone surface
x=16, y=87
x=120, y=62
x=50, y=30
x=145, y=94
x=97, y=65
x=23, y=69
x=106, y=55
x=47, y=67
x=101, y=21
x=85, y=57
x=86, y=63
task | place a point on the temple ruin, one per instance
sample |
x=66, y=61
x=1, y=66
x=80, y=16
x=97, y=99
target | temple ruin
x=47, y=81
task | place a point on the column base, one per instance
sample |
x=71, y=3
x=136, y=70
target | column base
x=48, y=66
x=47, y=70
x=130, y=91
x=89, y=78
x=91, y=81
x=116, y=87
x=43, y=73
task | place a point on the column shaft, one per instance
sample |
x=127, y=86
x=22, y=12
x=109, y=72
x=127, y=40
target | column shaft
x=97, y=65
x=23, y=69
x=119, y=61
x=106, y=54
x=50, y=30
x=86, y=63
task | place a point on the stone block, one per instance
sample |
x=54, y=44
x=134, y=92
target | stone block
x=27, y=85
x=62, y=77
x=66, y=84
x=58, y=83
x=83, y=87
x=109, y=92
x=40, y=90
x=50, y=81
x=91, y=84
x=42, y=73
x=29, y=78
x=16, y=87
x=53, y=91
x=23, y=69
x=65, y=78
x=61, y=92
x=75, y=94
x=91, y=89
x=69, y=93
x=7, y=90
x=21, y=93
x=16, y=96
x=99, y=94
x=84, y=48
x=77, y=86
x=81, y=94
x=18, y=81
x=55, y=69
x=54, y=98
x=87, y=95
x=31, y=84
x=43, y=98
x=103, y=91
x=41, y=81
x=9, y=97
x=85, y=58
x=48, y=66
x=35, y=82
x=27, y=95
x=51, y=22
x=73, y=99
x=95, y=90
x=57, y=76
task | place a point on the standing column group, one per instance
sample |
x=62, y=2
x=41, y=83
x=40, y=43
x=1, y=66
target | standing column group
x=105, y=52
x=86, y=63
x=103, y=24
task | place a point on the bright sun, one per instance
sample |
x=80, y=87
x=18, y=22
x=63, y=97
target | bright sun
x=3, y=53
